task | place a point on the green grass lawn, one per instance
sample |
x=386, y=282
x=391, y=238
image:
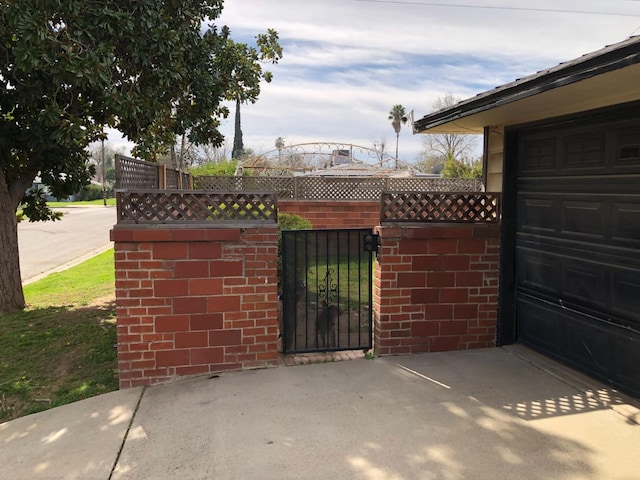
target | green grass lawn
x=100, y=202
x=61, y=348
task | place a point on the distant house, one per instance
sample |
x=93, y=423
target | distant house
x=46, y=192
x=362, y=169
x=563, y=147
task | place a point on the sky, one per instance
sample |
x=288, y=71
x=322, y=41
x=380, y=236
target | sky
x=347, y=62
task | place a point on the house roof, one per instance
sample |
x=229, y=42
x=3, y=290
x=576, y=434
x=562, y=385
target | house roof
x=361, y=169
x=605, y=77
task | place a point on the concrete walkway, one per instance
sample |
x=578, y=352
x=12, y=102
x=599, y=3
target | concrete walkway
x=483, y=414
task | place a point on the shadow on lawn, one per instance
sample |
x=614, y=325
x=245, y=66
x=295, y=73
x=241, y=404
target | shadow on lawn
x=52, y=356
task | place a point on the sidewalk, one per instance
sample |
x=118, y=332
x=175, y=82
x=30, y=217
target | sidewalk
x=483, y=414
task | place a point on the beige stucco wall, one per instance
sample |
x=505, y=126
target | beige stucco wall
x=495, y=152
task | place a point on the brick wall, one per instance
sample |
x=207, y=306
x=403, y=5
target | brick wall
x=194, y=300
x=334, y=214
x=436, y=288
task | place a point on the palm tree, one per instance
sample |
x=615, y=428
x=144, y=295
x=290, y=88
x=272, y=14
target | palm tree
x=279, y=146
x=398, y=116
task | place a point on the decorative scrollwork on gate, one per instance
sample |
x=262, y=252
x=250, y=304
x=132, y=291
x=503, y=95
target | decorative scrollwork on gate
x=328, y=289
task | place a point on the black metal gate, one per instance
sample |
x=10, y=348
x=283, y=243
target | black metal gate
x=326, y=290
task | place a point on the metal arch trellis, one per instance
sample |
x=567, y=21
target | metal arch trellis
x=326, y=154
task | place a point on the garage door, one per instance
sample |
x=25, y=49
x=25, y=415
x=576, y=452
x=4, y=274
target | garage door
x=577, y=242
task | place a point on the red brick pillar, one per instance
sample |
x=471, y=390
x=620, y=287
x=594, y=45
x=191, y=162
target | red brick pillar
x=334, y=214
x=436, y=288
x=194, y=300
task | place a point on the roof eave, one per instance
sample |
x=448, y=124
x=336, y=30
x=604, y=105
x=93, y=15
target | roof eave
x=559, y=76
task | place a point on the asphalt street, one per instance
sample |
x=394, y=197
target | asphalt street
x=46, y=247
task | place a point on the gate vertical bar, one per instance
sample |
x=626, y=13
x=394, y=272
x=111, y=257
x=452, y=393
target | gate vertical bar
x=326, y=289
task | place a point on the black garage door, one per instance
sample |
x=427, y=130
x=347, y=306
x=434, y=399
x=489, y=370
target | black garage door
x=577, y=245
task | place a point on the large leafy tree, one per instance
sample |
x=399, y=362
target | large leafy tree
x=398, y=117
x=246, y=62
x=153, y=69
x=440, y=148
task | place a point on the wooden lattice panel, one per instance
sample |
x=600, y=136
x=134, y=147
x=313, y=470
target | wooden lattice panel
x=133, y=174
x=283, y=186
x=440, y=207
x=172, y=179
x=339, y=188
x=186, y=181
x=418, y=184
x=336, y=188
x=223, y=184
x=171, y=206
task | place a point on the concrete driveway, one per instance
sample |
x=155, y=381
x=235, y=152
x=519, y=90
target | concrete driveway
x=484, y=414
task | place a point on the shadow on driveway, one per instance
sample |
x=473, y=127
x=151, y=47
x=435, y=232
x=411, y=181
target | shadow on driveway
x=456, y=415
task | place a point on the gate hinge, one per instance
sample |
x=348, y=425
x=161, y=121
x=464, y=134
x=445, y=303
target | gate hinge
x=371, y=242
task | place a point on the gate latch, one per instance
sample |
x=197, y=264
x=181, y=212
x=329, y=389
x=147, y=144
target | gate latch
x=371, y=242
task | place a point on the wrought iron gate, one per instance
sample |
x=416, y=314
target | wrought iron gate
x=326, y=290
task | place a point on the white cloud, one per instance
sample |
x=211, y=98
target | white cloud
x=346, y=62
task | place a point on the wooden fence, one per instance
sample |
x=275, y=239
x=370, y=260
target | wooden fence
x=337, y=188
x=151, y=193
x=134, y=174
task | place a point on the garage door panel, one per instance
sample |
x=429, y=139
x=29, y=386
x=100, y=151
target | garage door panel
x=577, y=244
x=538, y=156
x=610, y=354
x=625, y=221
x=627, y=157
x=539, y=324
x=596, y=149
x=626, y=297
x=612, y=221
x=586, y=283
x=583, y=153
x=560, y=280
x=583, y=187
x=537, y=214
x=588, y=344
x=584, y=219
x=536, y=271
x=627, y=374
x=600, y=284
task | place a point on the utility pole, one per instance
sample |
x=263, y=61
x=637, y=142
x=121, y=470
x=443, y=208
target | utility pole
x=104, y=178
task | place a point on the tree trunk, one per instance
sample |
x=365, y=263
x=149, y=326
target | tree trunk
x=11, y=295
x=397, y=139
x=238, y=146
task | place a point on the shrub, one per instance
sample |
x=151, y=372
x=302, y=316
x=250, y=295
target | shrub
x=90, y=192
x=223, y=168
x=288, y=221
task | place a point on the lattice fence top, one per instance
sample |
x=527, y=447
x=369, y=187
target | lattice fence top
x=283, y=186
x=336, y=188
x=417, y=184
x=173, y=179
x=135, y=174
x=181, y=206
x=440, y=207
